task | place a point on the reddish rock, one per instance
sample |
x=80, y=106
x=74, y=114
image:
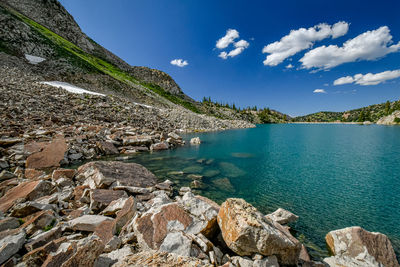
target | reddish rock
x=38, y=221
x=63, y=253
x=33, y=174
x=27, y=191
x=153, y=226
x=34, y=147
x=50, y=156
x=105, y=231
x=87, y=252
x=101, y=198
x=107, y=148
x=126, y=213
x=63, y=173
x=103, y=174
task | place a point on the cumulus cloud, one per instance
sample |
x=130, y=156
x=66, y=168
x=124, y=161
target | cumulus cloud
x=179, y=62
x=290, y=66
x=319, y=91
x=369, y=45
x=369, y=78
x=301, y=39
x=229, y=38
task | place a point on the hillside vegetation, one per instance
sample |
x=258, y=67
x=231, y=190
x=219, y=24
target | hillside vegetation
x=370, y=113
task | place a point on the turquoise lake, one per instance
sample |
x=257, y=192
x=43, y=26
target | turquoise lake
x=332, y=176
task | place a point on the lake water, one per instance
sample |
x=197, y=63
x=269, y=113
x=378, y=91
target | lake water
x=332, y=176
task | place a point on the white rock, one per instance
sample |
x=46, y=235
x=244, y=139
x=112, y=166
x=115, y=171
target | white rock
x=282, y=216
x=177, y=243
x=34, y=59
x=195, y=141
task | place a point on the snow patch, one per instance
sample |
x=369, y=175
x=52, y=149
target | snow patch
x=34, y=59
x=71, y=88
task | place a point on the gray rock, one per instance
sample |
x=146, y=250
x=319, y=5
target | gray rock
x=9, y=223
x=5, y=175
x=270, y=261
x=10, y=245
x=177, y=243
x=282, y=216
x=195, y=141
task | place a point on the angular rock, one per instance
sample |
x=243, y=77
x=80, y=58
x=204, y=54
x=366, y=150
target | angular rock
x=282, y=216
x=103, y=174
x=63, y=253
x=203, y=210
x=101, y=198
x=50, y=156
x=63, y=173
x=37, y=256
x=39, y=221
x=27, y=191
x=27, y=208
x=8, y=223
x=354, y=246
x=34, y=174
x=126, y=213
x=87, y=251
x=113, y=257
x=114, y=206
x=105, y=231
x=107, y=148
x=88, y=223
x=178, y=243
x=43, y=238
x=246, y=231
x=153, y=226
x=10, y=245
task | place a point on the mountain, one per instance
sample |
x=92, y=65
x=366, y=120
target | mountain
x=372, y=113
x=44, y=29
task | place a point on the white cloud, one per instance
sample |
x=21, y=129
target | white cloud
x=290, y=66
x=319, y=91
x=230, y=36
x=369, y=45
x=223, y=55
x=343, y=80
x=228, y=39
x=301, y=39
x=179, y=62
x=369, y=78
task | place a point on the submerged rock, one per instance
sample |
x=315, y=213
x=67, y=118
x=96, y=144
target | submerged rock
x=354, y=246
x=246, y=232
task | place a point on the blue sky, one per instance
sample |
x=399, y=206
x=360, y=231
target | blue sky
x=154, y=32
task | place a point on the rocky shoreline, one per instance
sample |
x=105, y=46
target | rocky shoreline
x=111, y=213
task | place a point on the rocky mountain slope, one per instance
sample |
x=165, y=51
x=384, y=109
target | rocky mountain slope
x=372, y=113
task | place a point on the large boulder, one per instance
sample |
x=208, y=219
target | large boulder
x=246, y=232
x=88, y=223
x=354, y=246
x=104, y=174
x=51, y=155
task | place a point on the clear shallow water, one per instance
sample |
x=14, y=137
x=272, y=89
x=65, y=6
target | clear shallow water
x=332, y=176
